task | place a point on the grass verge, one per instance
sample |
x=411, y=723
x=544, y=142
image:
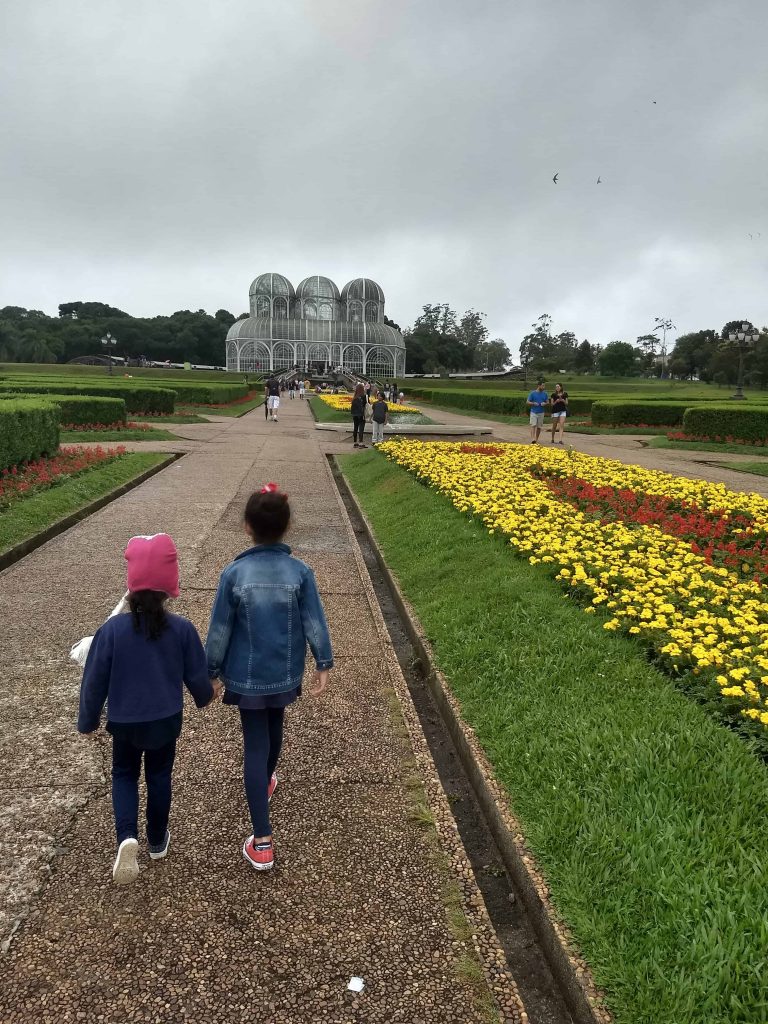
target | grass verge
x=756, y=468
x=102, y=436
x=708, y=446
x=235, y=409
x=579, y=428
x=30, y=515
x=646, y=816
x=159, y=421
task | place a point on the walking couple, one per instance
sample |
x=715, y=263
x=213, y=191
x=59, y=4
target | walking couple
x=266, y=610
x=368, y=408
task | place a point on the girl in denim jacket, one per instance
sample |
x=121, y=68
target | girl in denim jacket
x=267, y=609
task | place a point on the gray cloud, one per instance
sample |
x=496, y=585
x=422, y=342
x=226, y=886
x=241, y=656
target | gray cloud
x=159, y=156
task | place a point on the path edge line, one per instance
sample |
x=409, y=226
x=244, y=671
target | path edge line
x=572, y=973
x=26, y=547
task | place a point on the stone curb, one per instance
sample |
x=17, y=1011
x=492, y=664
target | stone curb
x=572, y=973
x=498, y=977
x=25, y=547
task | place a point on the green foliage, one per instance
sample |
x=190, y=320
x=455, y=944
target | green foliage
x=185, y=336
x=748, y=423
x=620, y=359
x=650, y=413
x=646, y=816
x=84, y=409
x=29, y=428
x=509, y=405
x=137, y=398
x=439, y=341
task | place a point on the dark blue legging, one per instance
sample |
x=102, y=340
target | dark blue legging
x=262, y=740
x=126, y=768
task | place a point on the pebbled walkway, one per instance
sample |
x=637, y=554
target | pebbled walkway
x=359, y=886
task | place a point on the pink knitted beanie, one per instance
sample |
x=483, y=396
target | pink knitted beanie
x=153, y=564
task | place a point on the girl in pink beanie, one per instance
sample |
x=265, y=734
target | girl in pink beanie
x=138, y=665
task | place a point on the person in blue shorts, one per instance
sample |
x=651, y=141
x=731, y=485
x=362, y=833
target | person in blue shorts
x=537, y=400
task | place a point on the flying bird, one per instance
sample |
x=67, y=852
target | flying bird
x=556, y=177
x=654, y=103
x=599, y=181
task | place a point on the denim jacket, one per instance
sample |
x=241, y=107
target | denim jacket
x=267, y=609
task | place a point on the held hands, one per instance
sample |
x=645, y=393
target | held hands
x=218, y=689
x=319, y=683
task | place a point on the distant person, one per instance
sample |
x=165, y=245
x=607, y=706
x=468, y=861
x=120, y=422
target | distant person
x=559, y=412
x=138, y=665
x=400, y=398
x=267, y=609
x=272, y=393
x=380, y=418
x=357, y=409
x=301, y=390
x=536, y=402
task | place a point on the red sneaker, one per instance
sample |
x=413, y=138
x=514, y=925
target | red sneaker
x=272, y=786
x=261, y=856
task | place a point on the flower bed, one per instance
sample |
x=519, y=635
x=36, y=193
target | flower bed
x=342, y=403
x=101, y=427
x=678, y=563
x=31, y=477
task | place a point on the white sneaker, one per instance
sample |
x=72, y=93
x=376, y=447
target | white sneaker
x=126, y=868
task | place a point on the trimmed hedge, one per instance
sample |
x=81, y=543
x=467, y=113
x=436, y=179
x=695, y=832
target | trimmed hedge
x=506, y=405
x=719, y=422
x=137, y=398
x=188, y=392
x=616, y=414
x=81, y=410
x=29, y=428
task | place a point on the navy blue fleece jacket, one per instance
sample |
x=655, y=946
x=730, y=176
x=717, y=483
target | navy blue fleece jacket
x=142, y=680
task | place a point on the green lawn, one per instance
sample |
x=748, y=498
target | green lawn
x=605, y=387
x=104, y=436
x=28, y=516
x=709, y=446
x=517, y=421
x=234, y=409
x=756, y=468
x=159, y=421
x=646, y=816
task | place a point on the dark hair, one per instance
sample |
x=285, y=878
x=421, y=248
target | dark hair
x=541, y=383
x=267, y=516
x=148, y=611
x=359, y=390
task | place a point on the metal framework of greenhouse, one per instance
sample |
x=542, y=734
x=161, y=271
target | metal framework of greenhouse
x=315, y=327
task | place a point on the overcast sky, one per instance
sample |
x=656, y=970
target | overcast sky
x=159, y=155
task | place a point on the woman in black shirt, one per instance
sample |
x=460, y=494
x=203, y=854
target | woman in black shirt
x=359, y=402
x=559, y=411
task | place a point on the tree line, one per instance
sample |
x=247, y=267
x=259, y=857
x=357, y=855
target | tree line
x=439, y=341
x=31, y=336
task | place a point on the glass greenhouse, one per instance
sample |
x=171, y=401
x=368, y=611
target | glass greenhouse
x=315, y=328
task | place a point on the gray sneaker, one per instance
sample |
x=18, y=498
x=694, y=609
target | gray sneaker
x=158, y=852
x=126, y=869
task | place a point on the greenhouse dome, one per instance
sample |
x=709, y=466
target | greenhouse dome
x=314, y=328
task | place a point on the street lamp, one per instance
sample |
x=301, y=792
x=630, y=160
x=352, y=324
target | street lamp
x=744, y=341
x=109, y=343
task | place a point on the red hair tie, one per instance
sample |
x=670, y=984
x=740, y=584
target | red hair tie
x=269, y=489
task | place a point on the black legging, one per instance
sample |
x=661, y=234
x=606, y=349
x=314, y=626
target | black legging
x=358, y=425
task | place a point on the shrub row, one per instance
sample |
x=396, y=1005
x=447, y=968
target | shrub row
x=83, y=410
x=616, y=414
x=187, y=392
x=29, y=428
x=505, y=405
x=137, y=398
x=743, y=423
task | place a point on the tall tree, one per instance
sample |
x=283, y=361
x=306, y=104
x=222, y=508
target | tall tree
x=619, y=359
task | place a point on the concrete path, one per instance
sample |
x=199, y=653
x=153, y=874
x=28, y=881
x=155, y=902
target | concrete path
x=359, y=887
